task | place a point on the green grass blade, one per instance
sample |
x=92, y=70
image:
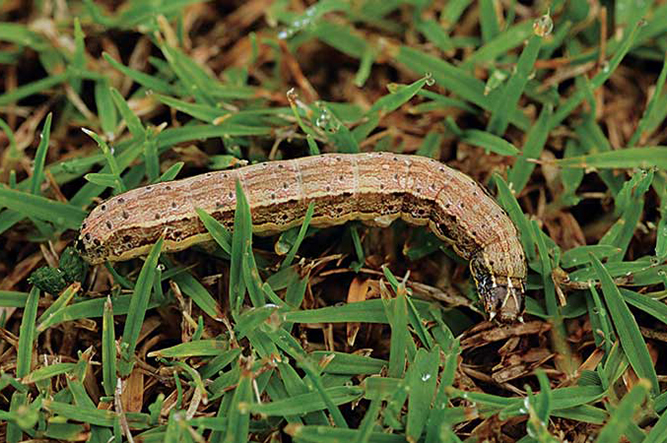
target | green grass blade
x=422, y=380
x=137, y=310
x=628, y=332
x=33, y=88
x=40, y=157
x=151, y=82
x=536, y=138
x=507, y=102
x=221, y=236
x=621, y=419
x=241, y=241
x=238, y=421
x=489, y=142
x=131, y=120
x=109, y=375
x=27, y=335
x=300, y=236
x=658, y=431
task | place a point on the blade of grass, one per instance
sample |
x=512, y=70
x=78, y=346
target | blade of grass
x=507, y=102
x=300, y=236
x=137, y=310
x=40, y=157
x=536, y=138
x=627, y=329
x=109, y=375
x=27, y=334
x=620, y=419
x=241, y=241
x=422, y=382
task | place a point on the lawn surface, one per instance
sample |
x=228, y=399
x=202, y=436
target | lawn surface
x=350, y=333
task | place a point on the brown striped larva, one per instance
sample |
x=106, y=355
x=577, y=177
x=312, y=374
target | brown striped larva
x=376, y=188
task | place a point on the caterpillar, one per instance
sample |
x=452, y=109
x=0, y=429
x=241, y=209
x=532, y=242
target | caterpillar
x=376, y=188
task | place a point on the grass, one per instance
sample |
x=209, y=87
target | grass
x=323, y=335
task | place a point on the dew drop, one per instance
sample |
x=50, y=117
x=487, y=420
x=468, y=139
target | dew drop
x=543, y=26
x=323, y=119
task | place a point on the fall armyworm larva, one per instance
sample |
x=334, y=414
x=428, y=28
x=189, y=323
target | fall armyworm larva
x=376, y=188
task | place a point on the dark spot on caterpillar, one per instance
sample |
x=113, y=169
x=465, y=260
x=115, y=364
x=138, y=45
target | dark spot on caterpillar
x=462, y=205
x=328, y=188
x=281, y=166
x=83, y=225
x=88, y=236
x=157, y=216
x=109, y=224
x=125, y=215
x=231, y=194
x=285, y=186
x=148, y=188
x=273, y=196
x=121, y=200
x=103, y=207
x=168, y=188
x=173, y=204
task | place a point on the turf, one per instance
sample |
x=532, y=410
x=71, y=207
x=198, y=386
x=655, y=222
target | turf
x=350, y=333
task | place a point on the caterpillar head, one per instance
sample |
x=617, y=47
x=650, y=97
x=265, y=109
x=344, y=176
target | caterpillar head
x=89, y=249
x=503, y=296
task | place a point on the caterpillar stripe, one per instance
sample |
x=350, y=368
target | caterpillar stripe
x=375, y=188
